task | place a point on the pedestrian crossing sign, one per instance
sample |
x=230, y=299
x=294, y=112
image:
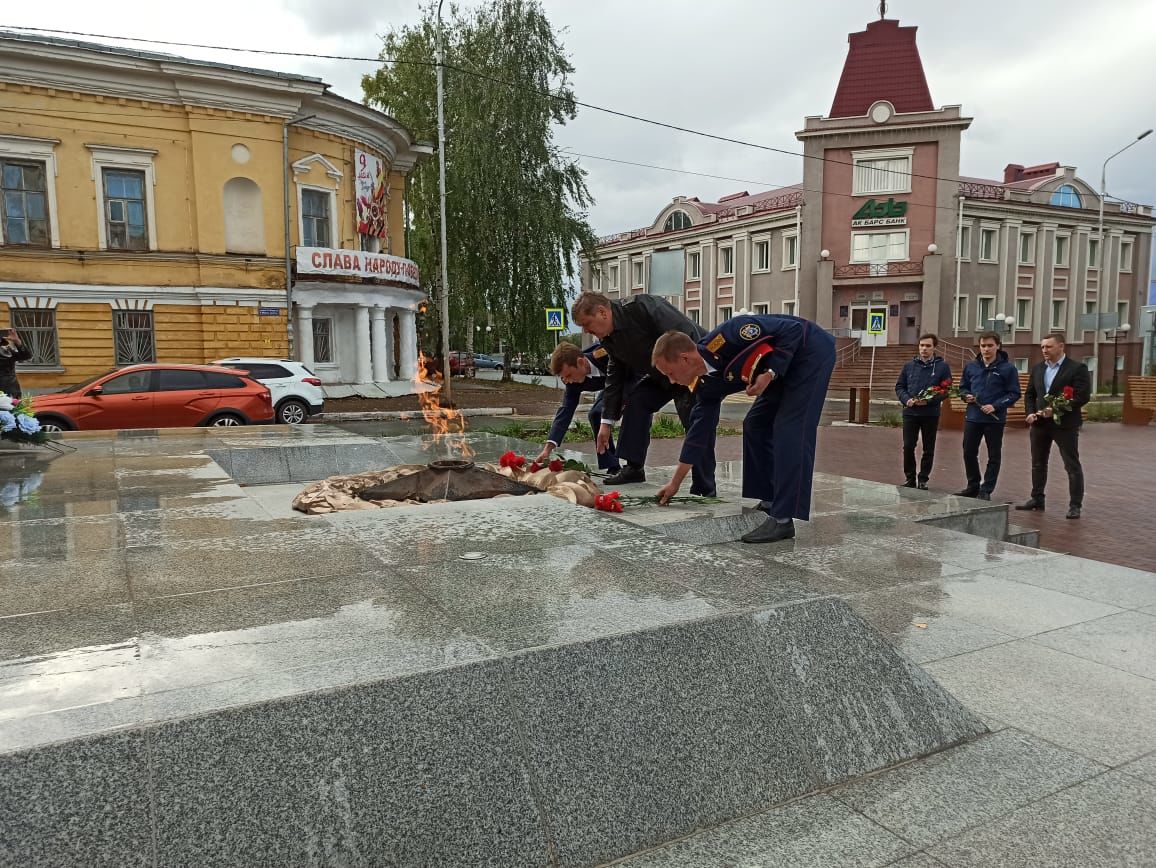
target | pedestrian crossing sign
x=555, y=319
x=876, y=323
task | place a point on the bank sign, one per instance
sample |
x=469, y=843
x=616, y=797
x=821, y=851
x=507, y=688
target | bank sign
x=889, y=213
x=356, y=263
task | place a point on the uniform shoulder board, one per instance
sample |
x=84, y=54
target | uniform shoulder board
x=750, y=331
x=599, y=352
x=716, y=343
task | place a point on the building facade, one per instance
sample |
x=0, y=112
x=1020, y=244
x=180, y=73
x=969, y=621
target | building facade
x=163, y=209
x=884, y=231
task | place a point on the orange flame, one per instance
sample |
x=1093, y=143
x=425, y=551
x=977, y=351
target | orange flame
x=447, y=424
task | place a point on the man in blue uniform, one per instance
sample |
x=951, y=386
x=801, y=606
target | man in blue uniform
x=581, y=371
x=784, y=361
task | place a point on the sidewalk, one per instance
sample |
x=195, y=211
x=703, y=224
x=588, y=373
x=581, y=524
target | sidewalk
x=1119, y=466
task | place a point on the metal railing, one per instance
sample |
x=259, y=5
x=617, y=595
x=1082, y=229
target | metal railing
x=955, y=355
x=848, y=355
x=878, y=269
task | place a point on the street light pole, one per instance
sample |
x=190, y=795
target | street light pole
x=1102, y=255
x=447, y=385
x=1120, y=329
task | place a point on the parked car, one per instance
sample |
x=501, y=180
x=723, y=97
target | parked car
x=485, y=362
x=296, y=390
x=157, y=396
x=462, y=364
x=528, y=363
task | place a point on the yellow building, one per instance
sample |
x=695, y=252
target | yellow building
x=151, y=211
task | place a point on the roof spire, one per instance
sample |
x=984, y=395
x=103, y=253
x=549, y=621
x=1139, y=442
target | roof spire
x=882, y=9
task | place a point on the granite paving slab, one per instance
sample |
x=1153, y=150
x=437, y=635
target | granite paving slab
x=966, y=786
x=1144, y=768
x=817, y=832
x=1092, y=709
x=63, y=580
x=1109, y=820
x=1106, y=583
x=1124, y=641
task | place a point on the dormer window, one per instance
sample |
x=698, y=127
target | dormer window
x=1066, y=197
x=677, y=220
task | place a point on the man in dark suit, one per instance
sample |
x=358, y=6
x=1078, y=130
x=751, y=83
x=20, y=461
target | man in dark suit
x=1049, y=379
x=634, y=390
x=785, y=363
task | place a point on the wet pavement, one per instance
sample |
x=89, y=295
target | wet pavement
x=141, y=585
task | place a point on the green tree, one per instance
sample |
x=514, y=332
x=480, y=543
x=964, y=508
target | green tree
x=515, y=205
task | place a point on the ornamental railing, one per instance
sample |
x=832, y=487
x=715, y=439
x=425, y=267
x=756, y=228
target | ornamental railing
x=878, y=269
x=975, y=190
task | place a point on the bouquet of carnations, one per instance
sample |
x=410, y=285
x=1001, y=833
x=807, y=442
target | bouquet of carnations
x=943, y=389
x=1061, y=403
x=17, y=422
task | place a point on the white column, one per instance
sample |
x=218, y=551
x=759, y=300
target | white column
x=305, y=335
x=390, y=348
x=408, y=328
x=361, y=341
x=380, y=346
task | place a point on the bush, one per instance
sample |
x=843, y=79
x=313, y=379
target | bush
x=1103, y=411
x=891, y=419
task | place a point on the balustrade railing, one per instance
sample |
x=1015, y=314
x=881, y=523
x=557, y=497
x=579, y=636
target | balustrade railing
x=878, y=269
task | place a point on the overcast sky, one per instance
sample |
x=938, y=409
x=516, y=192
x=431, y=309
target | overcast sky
x=1066, y=81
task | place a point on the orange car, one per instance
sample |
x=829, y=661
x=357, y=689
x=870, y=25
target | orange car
x=156, y=396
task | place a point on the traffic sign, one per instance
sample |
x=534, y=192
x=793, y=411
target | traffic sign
x=876, y=323
x=555, y=319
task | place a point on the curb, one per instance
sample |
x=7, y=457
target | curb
x=405, y=415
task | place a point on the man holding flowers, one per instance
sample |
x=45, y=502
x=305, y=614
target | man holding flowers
x=1057, y=391
x=922, y=386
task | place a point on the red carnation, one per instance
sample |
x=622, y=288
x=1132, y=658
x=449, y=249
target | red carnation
x=1069, y=392
x=608, y=502
x=535, y=467
x=556, y=465
x=512, y=460
x=946, y=382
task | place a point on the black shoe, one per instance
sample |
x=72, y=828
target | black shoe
x=1073, y=512
x=984, y=495
x=922, y=486
x=1032, y=503
x=770, y=531
x=910, y=483
x=627, y=476
x=968, y=492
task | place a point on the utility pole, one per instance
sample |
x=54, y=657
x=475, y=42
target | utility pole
x=447, y=379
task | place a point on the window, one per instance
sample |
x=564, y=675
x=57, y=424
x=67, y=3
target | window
x=369, y=243
x=125, y=384
x=134, y=337
x=961, y=312
x=790, y=251
x=323, y=340
x=261, y=371
x=612, y=276
x=37, y=329
x=596, y=278
x=177, y=380
x=1063, y=245
x=25, y=191
x=1066, y=197
x=1122, y=312
x=1089, y=310
x=963, y=245
x=988, y=243
x=223, y=381
x=125, y=210
x=1027, y=248
x=1059, y=313
x=692, y=314
x=878, y=246
x=762, y=255
x=726, y=261
x=694, y=265
x=677, y=220
x=1125, y=255
x=762, y=309
x=315, y=217
x=882, y=172
x=638, y=272
x=1021, y=365
x=789, y=307
x=1023, y=313
x=1093, y=253
x=725, y=313
x=985, y=312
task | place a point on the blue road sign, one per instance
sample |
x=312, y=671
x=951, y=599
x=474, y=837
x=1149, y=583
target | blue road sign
x=555, y=319
x=877, y=323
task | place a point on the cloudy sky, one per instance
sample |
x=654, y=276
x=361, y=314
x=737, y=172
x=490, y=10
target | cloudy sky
x=1066, y=81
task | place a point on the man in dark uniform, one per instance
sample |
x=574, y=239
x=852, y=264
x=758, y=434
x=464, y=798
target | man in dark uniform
x=581, y=371
x=634, y=390
x=786, y=362
x=12, y=350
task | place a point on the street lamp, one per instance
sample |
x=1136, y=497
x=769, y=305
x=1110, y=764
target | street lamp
x=1121, y=329
x=447, y=388
x=1002, y=324
x=1102, y=258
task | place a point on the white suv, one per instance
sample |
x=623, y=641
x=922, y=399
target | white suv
x=296, y=390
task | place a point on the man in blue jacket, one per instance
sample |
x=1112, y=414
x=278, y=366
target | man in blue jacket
x=786, y=363
x=989, y=385
x=581, y=371
x=921, y=416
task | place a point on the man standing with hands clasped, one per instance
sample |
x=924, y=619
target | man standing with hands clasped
x=12, y=350
x=921, y=415
x=989, y=385
x=1056, y=394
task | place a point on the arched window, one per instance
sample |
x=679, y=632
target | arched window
x=677, y=220
x=244, y=217
x=1066, y=197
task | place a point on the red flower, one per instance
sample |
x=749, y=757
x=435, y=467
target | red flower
x=608, y=502
x=535, y=467
x=1069, y=392
x=512, y=460
x=556, y=465
x=945, y=383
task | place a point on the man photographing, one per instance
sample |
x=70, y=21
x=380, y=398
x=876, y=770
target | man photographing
x=12, y=350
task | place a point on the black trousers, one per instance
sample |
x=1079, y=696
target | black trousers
x=647, y=397
x=1042, y=435
x=973, y=434
x=924, y=428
